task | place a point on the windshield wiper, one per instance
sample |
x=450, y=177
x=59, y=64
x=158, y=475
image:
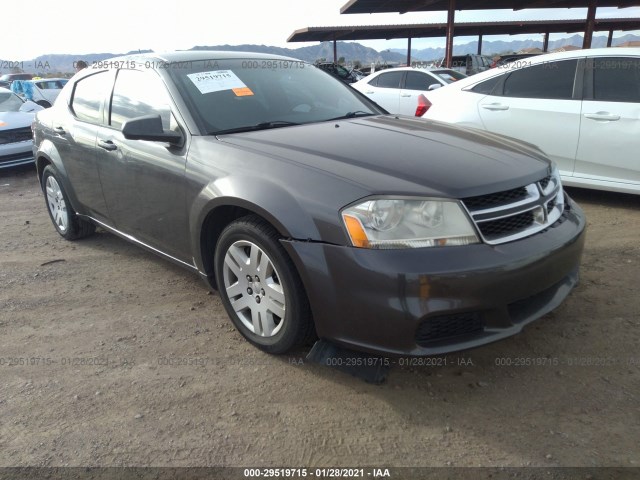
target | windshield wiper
x=357, y=113
x=258, y=126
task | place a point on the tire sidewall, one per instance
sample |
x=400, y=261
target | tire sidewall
x=286, y=338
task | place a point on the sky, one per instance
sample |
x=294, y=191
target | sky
x=120, y=26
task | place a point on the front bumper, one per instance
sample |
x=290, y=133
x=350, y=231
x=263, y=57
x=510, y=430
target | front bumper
x=14, y=154
x=436, y=300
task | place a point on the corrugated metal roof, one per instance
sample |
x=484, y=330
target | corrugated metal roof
x=403, y=6
x=368, y=32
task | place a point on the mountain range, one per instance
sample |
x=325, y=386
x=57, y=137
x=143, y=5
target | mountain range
x=495, y=47
x=352, y=53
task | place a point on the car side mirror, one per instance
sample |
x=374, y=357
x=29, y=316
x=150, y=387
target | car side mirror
x=149, y=128
x=434, y=86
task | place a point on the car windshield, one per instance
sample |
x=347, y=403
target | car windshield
x=235, y=95
x=10, y=102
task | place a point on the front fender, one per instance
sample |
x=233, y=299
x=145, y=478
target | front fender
x=258, y=195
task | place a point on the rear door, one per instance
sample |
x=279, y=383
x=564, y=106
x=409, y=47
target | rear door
x=610, y=128
x=384, y=89
x=541, y=105
x=74, y=130
x=415, y=84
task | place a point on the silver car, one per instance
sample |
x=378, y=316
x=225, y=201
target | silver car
x=16, y=141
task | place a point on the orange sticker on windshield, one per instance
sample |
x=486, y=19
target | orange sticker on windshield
x=242, y=92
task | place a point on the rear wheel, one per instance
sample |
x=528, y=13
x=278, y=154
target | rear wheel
x=60, y=211
x=260, y=287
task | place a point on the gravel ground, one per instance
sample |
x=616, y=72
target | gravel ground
x=111, y=356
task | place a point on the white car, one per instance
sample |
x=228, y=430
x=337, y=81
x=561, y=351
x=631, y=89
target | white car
x=42, y=91
x=16, y=141
x=582, y=108
x=398, y=90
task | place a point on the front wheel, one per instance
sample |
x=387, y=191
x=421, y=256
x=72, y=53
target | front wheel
x=260, y=287
x=60, y=211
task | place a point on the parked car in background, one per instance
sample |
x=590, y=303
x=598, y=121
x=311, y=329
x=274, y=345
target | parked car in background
x=16, y=116
x=582, y=108
x=512, y=57
x=424, y=239
x=469, y=64
x=347, y=75
x=398, y=90
x=8, y=78
x=46, y=90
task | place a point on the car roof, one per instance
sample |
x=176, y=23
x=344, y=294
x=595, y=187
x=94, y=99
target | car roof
x=195, y=55
x=411, y=69
x=541, y=59
x=47, y=79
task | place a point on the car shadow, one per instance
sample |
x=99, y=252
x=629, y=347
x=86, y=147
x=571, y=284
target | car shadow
x=604, y=198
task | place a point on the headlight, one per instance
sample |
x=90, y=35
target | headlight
x=398, y=223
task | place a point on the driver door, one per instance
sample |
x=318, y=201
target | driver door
x=143, y=181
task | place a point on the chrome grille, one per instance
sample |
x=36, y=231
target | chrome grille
x=507, y=225
x=509, y=215
x=545, y=182
x=496, y=199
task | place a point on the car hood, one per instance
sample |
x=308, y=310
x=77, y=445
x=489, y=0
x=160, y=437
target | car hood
x=403, y=155
x=11, y=120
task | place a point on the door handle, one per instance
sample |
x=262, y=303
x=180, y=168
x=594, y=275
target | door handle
x=59, y=131
x=369, y=93
x=107, y=145
x=602, y=116
x=495, y=106
x=405, y=94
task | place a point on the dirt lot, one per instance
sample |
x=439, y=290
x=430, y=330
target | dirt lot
x=111, y=356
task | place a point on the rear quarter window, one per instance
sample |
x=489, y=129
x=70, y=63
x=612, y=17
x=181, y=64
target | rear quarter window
x=488, y=87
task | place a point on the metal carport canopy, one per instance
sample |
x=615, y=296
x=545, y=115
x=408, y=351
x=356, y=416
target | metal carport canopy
x=404, y=6
x=450, y=6
x=424, y=30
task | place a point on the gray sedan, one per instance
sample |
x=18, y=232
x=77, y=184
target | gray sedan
x=312, y=211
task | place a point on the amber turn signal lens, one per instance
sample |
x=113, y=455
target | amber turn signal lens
x=356, y=232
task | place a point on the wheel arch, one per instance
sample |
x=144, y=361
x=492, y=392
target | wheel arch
x=222, y=212
x=48, y=155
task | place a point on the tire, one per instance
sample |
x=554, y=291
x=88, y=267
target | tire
x=64, y=218
x=260, y=287
x=43, y=103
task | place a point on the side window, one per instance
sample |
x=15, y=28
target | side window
x=488, y=86
x=390, y=80
x=547, y=80
x=616, y=79
x=418, y=81
x=88, y=96
x=137, y=94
